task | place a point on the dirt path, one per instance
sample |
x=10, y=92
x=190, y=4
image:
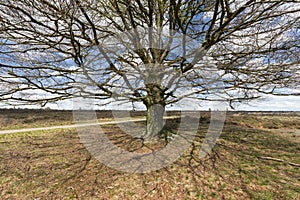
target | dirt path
x=115, y=121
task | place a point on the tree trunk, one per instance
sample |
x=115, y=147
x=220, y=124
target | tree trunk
x=155, y=122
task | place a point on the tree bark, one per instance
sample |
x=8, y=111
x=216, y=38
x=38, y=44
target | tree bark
x=155, y=122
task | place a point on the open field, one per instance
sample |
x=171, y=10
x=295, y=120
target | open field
x=256, y=157
x=25, y=118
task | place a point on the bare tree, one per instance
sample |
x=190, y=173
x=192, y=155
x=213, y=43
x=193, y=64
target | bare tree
x=157, y=52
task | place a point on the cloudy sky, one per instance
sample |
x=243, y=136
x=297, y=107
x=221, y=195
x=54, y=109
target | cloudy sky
x=281, y=103
x=269, y=103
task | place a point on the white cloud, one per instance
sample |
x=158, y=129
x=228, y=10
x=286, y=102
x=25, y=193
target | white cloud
x=273, y=103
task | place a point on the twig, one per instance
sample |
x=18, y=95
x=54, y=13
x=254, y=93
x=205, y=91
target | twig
x=279, y=160
x=150, y=191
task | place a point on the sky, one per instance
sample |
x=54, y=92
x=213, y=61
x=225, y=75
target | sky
x=269, y=103
x=274, y=103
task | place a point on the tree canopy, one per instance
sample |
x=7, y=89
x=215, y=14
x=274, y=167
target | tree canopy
x=152, y=51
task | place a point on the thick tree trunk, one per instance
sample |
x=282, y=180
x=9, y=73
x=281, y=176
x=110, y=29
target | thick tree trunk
x=155, y=104
x=154, y=122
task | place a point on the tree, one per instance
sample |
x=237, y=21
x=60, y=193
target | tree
x=155, y=51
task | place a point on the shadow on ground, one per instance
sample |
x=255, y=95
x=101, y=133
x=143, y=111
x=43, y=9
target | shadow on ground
x=55, y=165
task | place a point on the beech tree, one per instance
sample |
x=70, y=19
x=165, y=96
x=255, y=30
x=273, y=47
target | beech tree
x=156, y=52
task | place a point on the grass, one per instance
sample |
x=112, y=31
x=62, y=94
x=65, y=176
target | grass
x=55, y=165
x=27, y=118
x=15, y=119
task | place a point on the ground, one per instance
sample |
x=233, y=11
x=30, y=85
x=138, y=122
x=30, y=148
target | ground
x=256, y=157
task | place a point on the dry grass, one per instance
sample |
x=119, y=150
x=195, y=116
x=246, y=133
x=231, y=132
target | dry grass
x=14, y=119
x=55, y=165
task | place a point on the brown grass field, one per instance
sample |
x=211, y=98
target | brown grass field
x=256, y=157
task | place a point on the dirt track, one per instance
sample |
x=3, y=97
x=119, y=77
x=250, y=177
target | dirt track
x=120, y=120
